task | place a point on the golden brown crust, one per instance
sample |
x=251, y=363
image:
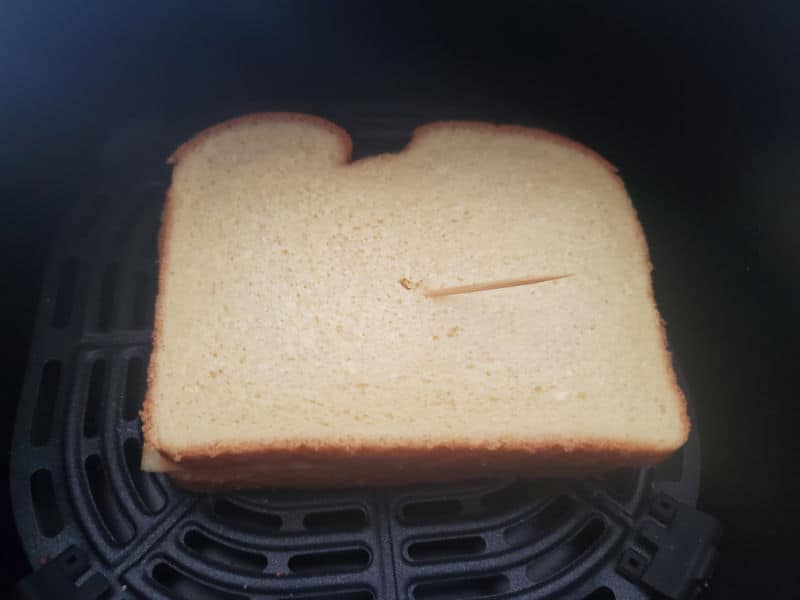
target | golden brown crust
x=333, y=467
x=254, y=118
x=164, y=238
x=216, y=467
x=424, y=130
x=540, y=134
x=666, y=354
x=539, y=455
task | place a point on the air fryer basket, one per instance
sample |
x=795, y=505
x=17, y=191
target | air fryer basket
x=87, y=514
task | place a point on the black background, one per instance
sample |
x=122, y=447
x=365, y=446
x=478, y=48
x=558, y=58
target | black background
x=698, y=106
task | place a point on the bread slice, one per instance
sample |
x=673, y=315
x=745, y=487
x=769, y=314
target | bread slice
x=294, y=344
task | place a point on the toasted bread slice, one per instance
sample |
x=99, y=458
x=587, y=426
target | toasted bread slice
x=294, y=343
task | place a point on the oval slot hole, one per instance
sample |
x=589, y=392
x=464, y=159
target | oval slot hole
x=335, y=520
x=117, y=524
x=462, y=589
x=602, y=593
x=432, y=510
x=446, y=548
x=62, y=310
x=246, y=520
x=512, y=497
x=323, y=563
x=563, y=555
x=134, y=389
x=94, y=399
x=218, y=552
x=42, y=423
x=349, y=595
x=187, y=588
x=149, y=491
x=537, y=526
x=105, y=310
x=43, y=498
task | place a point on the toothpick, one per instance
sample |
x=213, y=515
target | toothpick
x=491, y=285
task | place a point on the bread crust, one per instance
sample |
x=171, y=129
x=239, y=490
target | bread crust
x=424, y=130
x=237, y=466
x=146, y=413
x=254, y=118
x=666, y=354
x=334, y=466
x=331, y=467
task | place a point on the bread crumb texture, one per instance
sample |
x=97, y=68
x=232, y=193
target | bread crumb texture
x=281, y=324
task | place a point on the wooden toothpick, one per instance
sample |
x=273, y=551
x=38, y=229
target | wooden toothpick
x=490, y=285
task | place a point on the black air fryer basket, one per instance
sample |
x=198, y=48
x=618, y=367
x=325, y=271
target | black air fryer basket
x=91, y=521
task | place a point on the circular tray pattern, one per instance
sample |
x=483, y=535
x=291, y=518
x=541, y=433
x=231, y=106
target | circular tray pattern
x=76, y=481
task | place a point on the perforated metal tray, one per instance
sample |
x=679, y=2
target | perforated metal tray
x=76, y=484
